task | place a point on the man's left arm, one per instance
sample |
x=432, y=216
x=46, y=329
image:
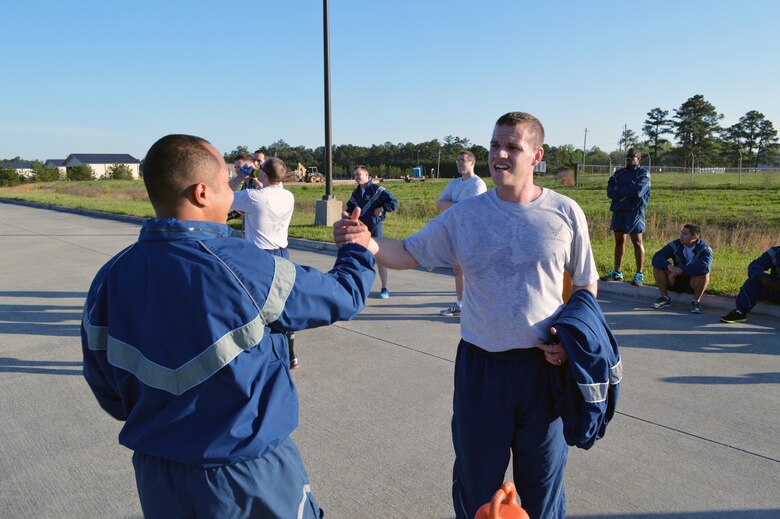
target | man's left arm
x=701, y=263
x=389, y=202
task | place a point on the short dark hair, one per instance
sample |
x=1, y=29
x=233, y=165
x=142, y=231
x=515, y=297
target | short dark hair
x=174, y=163
x=518, y=118
x=468, y=154
x=361, y=166
x=635, y=152
x=275, y=169
x=693, y=228
x=246, y=156
x=258, y=151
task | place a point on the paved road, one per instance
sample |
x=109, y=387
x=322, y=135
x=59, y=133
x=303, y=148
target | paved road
x=695, y=435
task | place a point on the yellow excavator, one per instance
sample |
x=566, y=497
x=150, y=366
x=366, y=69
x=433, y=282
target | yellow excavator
x=309, y=175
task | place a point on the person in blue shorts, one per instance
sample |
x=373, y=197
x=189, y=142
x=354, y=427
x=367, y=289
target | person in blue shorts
x=629, y=190
x=183, y=338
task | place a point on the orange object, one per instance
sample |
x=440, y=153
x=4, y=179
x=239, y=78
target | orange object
x=567, y=284
x=503, y=505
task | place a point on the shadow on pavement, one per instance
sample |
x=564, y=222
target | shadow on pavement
x=39, y=367
x=748, y=378
x=730, y=514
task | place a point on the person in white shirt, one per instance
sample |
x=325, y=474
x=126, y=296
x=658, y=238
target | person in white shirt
x=267, y=212
x=468, y=185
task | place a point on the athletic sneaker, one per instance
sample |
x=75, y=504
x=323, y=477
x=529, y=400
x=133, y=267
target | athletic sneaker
x=639, y=279
x=613, y=276
x=662, y=302
x=695, y=307
x=384, y=294
x=735, y=316
x=453, y=311
x=294, y=364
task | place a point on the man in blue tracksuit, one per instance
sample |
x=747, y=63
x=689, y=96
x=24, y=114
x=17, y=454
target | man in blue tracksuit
x=759, y=285
x=683, y=265
x=183, y=337
x=374, y=202
x=629, y=190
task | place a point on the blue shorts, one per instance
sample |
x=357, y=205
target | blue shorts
x=275, y=485
x=376, y=232
x=628, y=222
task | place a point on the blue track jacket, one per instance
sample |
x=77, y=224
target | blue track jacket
x=700, y=264
x=586, y=393
x=629, y=189
x=375, y=197
x=183, y=338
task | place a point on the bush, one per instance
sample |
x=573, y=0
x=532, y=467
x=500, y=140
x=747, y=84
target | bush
x=9, y=177
x=119, y=172
x=82, y=172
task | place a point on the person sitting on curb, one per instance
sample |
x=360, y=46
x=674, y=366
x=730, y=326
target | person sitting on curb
x=689, y=270
x=758, y=285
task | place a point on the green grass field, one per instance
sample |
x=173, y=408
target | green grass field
x=739, y=217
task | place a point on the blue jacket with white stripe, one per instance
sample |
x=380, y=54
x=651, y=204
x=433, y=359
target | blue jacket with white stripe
x=183, y=338
x=700, y=265
x=586, y=392
x=370, y=199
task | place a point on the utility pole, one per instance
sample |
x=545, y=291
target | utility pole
x=584, y=147
x=327, y=210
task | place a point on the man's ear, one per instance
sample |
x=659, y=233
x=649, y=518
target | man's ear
x=538, y=156
x=200, y=194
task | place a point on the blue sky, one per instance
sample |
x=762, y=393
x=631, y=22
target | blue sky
x=112, y=77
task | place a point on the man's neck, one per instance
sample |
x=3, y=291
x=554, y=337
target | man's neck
x=519, y=195
x=467, y=175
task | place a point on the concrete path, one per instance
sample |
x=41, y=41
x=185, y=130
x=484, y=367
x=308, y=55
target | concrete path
x=695, y=435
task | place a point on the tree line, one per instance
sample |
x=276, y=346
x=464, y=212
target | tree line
x=11, y=177
x=700, y=141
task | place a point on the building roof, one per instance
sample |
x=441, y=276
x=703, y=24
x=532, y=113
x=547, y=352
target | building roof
x=17, y=164
x=54, y=163
x=77, y=159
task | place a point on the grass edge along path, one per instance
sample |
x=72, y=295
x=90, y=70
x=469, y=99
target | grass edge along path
x=739, y=221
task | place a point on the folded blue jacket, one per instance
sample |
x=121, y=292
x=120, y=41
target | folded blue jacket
x=586, y=392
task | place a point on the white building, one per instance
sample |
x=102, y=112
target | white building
x=100, y=162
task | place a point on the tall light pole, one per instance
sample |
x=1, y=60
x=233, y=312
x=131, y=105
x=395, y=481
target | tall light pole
x=327, y=210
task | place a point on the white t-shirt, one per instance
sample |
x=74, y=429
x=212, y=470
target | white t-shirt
x=267, y=215
x=460, y=189
x=513, y=257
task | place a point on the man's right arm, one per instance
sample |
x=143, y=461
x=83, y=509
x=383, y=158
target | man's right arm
x=760, y=265
x=392, y=253
x=661, y=258
x=443, y=205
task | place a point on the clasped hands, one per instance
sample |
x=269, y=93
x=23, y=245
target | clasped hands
x=351, y=230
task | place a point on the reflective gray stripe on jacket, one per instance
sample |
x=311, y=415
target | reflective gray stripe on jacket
x=213, y=358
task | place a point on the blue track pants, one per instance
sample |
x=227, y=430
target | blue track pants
x=273, y=486
x=503, y=403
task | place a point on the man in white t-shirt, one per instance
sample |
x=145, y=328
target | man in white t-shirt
x=469, y=184
x=267, y=212
x=514, y=244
